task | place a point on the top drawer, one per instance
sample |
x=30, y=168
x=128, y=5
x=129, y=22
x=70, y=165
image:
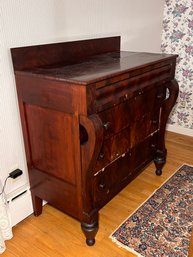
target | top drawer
x=111, y=94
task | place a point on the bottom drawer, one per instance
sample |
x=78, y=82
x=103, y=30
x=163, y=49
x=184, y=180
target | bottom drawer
x=107, y=183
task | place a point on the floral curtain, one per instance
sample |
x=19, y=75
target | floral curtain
x=177, y=38
x=5, y=224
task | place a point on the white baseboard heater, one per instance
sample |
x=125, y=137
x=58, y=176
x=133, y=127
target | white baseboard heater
x=20, y=206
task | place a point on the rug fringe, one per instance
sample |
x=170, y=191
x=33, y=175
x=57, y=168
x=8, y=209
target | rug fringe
x=119, y=244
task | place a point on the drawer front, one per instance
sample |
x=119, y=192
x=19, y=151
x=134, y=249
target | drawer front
x=145, y=106
x=114, y=177
x=106, y=182
x=123, y=142
x=113, y=148
x=129, y=124
x=115, y=119
x=112, y=94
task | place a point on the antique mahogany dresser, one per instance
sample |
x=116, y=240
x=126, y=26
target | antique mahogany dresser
x=93, y=117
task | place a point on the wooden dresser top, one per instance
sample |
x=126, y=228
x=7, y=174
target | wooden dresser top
x=99, y=67
x=83, y=62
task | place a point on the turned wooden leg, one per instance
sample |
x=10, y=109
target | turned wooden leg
x=160, y=160
x=37, y=205
x=90, y=231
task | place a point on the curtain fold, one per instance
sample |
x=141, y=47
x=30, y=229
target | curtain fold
x=5, y=223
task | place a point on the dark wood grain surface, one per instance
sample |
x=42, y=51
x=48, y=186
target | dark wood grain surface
x=101, y=66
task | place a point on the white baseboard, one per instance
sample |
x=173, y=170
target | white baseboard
x=180, y=130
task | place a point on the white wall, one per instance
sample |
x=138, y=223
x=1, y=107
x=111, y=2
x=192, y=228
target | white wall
x=30, y=22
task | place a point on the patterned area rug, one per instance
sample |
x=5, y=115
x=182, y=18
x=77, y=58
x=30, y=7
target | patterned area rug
x=162, y=225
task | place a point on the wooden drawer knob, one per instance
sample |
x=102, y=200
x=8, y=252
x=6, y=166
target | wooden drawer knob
x=107, y=125
x=101, y=156
x=102, y=186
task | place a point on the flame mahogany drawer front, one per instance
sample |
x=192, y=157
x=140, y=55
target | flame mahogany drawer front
x=92, y=117
x=132, y=110
x=107, y=182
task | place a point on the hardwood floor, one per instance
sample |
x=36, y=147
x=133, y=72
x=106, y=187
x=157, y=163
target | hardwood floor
x=191, y=247
x=54, y=234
